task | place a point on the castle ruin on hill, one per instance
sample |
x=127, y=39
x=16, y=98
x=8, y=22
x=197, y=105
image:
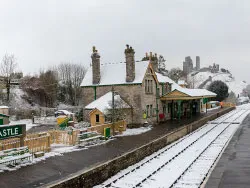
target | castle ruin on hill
x=188, y=66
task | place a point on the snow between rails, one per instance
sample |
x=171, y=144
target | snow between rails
x=201, y=152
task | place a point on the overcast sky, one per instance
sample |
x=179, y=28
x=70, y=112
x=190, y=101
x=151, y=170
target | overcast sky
x=42, y=33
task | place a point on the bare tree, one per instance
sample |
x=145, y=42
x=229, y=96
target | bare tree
x=49, y=83
x=175, y=74
x=8, y=67
x=70, y=76
x=162, y=65
x=192, y=81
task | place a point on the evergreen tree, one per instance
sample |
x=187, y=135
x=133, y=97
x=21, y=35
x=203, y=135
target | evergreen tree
x=220, y=88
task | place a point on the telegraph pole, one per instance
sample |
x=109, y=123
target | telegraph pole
x=113, y=110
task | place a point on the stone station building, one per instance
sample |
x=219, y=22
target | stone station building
x=152, y=96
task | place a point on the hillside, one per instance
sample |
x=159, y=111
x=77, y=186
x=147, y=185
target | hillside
x=204, y=79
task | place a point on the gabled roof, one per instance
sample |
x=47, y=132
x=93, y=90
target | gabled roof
x=163, y=79
x=188, y=94
x=198, y=92
x=105, y=102
x=115, y=74
x=94, y=110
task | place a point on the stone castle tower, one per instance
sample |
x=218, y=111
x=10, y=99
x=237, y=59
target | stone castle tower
x=95, y=66
x=187, y=65
x=198, y=63
x=130, y=63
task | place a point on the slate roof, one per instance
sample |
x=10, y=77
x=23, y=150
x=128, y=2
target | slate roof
x=115, y=74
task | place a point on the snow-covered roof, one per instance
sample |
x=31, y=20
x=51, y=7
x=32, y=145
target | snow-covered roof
x=66, y=112
x=104, y=102
x=114, y=74
x=163, y=79
x=196, y=92
x=3, y=107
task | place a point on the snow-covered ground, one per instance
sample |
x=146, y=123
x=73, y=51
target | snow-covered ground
x=215, y=108
x=186, y=162
x=234, y=85
x=17, y=101
x=38, y=121
x=135, y=131
x=28, y=123
x=60, y=149
x=56, y=150
x=242, y=100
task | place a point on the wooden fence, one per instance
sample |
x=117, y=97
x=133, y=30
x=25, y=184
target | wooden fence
x=64, y=137
x=9, y=143
x=35, y=142
x=118, y=126
x=42, y=141
x=228, y=104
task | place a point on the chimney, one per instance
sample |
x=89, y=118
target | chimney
x=130, y=63
x=150, y=56
x=95, y=66
x=154, y=61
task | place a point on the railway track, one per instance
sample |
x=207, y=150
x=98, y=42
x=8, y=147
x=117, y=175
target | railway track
x=196, y=174
x=141, y=174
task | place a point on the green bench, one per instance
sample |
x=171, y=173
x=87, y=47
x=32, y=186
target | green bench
x=86, y=138
x=14, y=156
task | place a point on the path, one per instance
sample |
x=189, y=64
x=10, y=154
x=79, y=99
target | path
x=233, y=168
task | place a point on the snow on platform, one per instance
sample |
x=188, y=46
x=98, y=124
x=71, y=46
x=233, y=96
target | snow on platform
x=135, y=131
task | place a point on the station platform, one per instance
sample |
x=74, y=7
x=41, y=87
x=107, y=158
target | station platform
x=60, y=167
x=233, y=168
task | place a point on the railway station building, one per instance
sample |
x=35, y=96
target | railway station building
x=153, y=97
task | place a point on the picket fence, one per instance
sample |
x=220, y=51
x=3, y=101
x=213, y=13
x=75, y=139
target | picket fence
x=38, y=142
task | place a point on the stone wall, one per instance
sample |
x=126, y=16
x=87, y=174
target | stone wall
x=134, y=95
x=149, y=98
x=106, y=170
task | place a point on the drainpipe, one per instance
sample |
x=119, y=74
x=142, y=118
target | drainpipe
x=157, y=110
x=179, y=110
x=172, y=110
x=95, y=92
